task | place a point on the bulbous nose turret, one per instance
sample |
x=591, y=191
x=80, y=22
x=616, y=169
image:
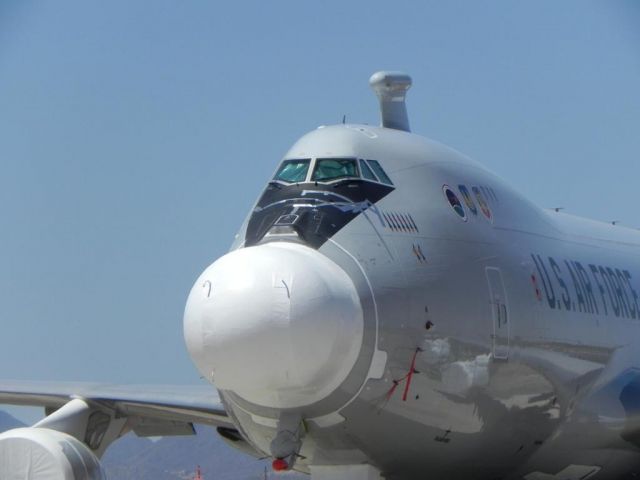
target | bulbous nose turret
x=278, y=324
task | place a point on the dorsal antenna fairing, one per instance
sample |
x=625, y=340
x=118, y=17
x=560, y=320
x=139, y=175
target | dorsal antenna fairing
x=391, y=89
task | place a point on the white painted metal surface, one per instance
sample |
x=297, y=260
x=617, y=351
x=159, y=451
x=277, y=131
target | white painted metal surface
x=38, y=454
x=287, y=313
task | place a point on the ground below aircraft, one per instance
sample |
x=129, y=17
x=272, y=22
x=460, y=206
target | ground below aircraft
x=389, y=309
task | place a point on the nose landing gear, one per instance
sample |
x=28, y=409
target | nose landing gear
x=285, y=448
x=286, y=444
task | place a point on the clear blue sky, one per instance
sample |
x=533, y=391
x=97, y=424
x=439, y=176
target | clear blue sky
x=134, y=137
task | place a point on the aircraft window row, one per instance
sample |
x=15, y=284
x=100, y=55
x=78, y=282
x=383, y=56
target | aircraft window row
x=331, y=169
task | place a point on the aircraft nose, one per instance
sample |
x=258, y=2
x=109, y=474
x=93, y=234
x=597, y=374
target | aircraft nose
x=279, y=324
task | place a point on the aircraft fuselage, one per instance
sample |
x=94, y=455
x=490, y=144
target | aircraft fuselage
x=497, y=339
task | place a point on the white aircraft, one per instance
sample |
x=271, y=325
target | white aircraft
x=390, y=309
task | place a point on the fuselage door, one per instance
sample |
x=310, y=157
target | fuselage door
x=500, y=314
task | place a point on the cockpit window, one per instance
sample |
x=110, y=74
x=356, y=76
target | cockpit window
x=293, y=171
x=377, y=168
x=366, y=171
x=328, y=169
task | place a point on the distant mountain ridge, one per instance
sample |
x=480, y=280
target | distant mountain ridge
x=177, y=458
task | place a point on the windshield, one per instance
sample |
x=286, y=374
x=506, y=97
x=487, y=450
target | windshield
x=293, y=171
x=332, y=168
x=376, y=167
x=366, y=171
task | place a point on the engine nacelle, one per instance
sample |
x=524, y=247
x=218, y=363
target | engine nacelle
x=42, y=453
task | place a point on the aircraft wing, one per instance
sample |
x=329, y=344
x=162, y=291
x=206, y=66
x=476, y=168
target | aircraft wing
x=155, y=409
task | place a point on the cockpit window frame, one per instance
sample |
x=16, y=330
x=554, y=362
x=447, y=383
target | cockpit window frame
x=316, y=162
x=382, y=175
x=310, y=162
x=363, y=163
x=373, y=166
